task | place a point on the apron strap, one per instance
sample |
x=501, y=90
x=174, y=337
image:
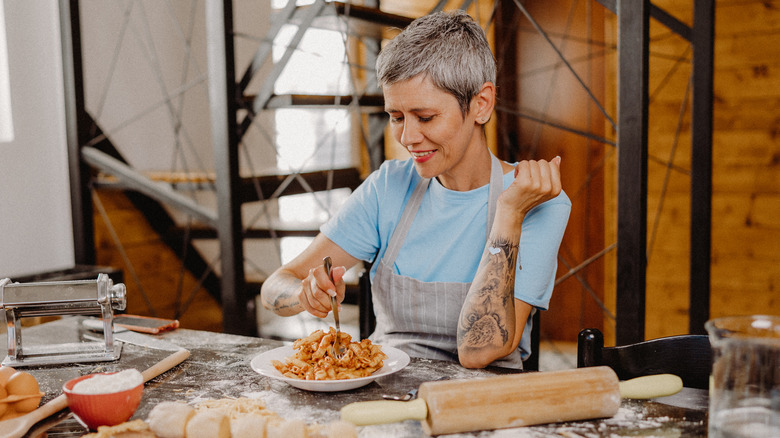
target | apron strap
x=410, y=211
x=495, y=189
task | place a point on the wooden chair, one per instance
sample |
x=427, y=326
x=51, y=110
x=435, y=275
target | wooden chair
x=687, y=356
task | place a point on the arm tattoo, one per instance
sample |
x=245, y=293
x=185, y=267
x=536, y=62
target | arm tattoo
x=483, y=321
x=287, y=297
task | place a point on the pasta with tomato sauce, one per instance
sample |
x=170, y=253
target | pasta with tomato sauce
x=314, y=359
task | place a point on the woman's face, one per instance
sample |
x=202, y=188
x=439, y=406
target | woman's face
x=428, y=122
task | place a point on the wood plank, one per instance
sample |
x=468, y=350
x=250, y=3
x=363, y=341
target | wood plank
x=745, y=180
x=761, y=210
x=752, y=291
x=730, y=112
x=740, y=113
x=746, y=48
x=745, y=17
x=753, y=243
x=752, y=81
x=765, y=212
x=754, y=148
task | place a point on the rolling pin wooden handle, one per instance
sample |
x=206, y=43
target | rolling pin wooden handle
x=384, y=411
x=647, y=387
x=165, y=364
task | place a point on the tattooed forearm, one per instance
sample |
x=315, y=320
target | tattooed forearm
x=488, y=313
x=280, y=294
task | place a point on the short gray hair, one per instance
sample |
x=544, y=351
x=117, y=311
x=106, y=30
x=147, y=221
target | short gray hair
x=449, y=47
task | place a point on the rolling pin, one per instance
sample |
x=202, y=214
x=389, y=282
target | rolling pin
x=515, y=400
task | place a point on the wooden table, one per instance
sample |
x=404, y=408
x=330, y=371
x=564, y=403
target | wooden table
x=219, y=368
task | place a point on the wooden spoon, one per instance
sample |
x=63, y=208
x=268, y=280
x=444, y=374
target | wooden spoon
x=17, y=427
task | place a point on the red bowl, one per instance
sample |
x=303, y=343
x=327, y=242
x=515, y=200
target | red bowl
x=102, y=409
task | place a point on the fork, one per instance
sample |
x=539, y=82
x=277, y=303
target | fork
x=338, y=349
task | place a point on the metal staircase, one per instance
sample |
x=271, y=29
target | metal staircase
x=236, y=100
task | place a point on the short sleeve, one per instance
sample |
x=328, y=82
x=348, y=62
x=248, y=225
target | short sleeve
x=540, y=241
x=361, y=227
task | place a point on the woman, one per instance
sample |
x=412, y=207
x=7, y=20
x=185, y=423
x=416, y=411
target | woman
x=454, y=278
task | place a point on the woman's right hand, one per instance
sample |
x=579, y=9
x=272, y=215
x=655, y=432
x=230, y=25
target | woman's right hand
x=302, y=283
x=317, y=289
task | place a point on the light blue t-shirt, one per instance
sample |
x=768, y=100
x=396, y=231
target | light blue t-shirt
x=448, y=235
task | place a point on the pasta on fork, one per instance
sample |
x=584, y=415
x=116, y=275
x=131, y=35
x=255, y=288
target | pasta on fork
x=314, y=360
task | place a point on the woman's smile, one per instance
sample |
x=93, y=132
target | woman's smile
x=422, y=156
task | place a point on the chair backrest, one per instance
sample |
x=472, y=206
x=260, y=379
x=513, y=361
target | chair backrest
x=687, y=356
x=366, y=317
x=532, y=363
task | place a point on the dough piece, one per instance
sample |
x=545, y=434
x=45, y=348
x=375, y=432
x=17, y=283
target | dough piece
x=341, y=429
x=169, y=419
x=128, y=429
x=249, y=426
x=208, y=424
x=286, y=429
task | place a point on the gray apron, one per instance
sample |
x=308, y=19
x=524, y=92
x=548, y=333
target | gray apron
x=421, y=318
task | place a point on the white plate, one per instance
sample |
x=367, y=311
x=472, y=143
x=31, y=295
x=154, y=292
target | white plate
x=396, y=361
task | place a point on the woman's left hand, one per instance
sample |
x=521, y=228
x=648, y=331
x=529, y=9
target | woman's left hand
x=535, y=182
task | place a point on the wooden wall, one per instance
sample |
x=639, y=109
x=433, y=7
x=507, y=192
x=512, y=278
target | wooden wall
x=745, y=265
x=745, y=231
x=746, y=174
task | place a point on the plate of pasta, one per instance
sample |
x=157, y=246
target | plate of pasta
x=308, y=365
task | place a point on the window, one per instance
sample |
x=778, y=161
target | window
x=6, y=120
x=309, y=139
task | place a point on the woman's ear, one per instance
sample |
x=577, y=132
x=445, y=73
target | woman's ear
x=484, y=102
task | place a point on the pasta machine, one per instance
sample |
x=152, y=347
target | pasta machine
x=59, y=298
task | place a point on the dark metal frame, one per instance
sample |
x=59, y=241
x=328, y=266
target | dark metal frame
x=633, y=42
x=75, y=114
x=703, y=40
x=633, y=54
x=238, y=318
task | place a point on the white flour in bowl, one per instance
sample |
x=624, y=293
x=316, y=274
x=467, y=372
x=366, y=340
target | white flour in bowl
x=109, y=383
